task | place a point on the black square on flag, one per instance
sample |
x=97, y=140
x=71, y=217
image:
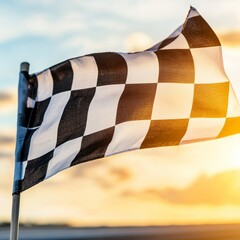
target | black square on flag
x=136, y=102
x=210, y=100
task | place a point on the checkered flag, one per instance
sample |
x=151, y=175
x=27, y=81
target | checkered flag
x=105, y=103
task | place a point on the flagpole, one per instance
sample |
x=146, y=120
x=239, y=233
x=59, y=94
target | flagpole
x=14, y=230
x=15, y=217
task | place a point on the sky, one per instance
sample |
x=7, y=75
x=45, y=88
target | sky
x=190, y=184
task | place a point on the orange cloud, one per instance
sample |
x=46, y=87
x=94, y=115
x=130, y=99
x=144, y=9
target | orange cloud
x=219, y=189
x=113, y=176
x=7, y=144
x=4, y=96
x=7, y=139
x=120, y=174
x=8, y=102
x=230, y=38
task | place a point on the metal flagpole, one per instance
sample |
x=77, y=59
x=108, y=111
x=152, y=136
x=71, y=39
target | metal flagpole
x=15, y=217
x=22, y=95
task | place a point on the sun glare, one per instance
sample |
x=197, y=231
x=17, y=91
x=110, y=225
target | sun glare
x=234, y=155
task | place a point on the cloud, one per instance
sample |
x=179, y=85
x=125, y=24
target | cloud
x=138, y=41
x=5, y=139
x=45, y=3
x=134, y=9
x=8, y=102
x=230, y=38
x=103, y=173
x=38, y=22
x=55, y=19
x=4, y=155
x=220, y=189
x=4, y=96
x=120, y=174
x=7, y=144
x=114, y=176
x=86, y=44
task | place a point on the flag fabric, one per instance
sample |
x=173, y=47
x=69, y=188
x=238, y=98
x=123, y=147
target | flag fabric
x=101, y=104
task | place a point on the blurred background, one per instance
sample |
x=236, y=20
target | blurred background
x=192, y=184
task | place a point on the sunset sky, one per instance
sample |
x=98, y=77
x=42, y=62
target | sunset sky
x=190, y=184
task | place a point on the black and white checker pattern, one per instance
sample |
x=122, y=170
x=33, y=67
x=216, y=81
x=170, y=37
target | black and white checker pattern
x=102, y=104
